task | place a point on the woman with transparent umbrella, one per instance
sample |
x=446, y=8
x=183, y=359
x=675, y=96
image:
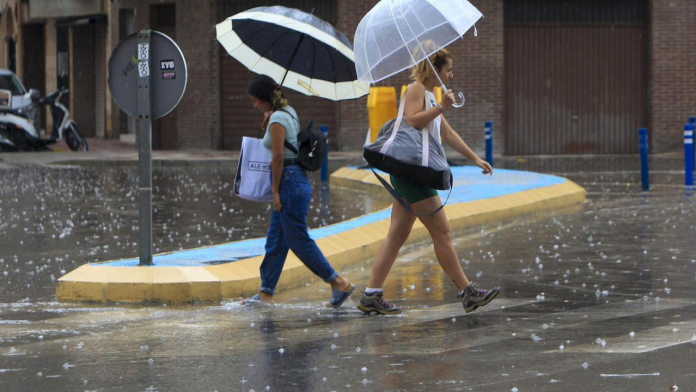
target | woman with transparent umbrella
x=394, y=36
x=427, y=115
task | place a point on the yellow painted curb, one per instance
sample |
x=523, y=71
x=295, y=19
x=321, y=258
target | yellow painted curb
x=241, y=278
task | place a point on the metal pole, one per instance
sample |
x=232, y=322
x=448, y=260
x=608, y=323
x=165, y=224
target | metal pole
x=688, y=156
x=644, y=169
x=488, y=134
x=144, y=148
x=325, y=163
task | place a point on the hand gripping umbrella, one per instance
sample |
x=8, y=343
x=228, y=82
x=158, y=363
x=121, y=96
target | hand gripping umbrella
x=296, y=49
x=398, y=34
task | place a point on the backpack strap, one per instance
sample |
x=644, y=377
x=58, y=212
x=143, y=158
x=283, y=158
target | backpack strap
x=401, y=201
x=290, y=161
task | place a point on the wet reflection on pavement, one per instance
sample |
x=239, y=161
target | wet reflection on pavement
x=596, y=297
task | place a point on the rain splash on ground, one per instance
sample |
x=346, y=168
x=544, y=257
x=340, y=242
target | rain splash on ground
x=595, y=297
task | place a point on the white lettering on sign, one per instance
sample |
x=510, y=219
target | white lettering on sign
x=143, y=69
x=166, y=65
x=143, y=51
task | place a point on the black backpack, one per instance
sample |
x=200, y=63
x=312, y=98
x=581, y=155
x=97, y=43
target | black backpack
x=313, y=145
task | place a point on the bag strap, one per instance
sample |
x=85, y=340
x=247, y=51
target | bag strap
x=401, y=201
x=397, y=124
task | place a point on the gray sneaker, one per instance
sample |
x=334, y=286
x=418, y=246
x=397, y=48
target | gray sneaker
x=474, y=297
x=376, y=303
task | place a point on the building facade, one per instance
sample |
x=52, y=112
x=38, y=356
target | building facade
x=554, y=77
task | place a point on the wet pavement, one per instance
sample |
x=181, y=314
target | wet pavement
x=597, y=297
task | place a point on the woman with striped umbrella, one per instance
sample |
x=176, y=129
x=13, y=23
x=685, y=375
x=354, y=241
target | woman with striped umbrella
x=292, y=49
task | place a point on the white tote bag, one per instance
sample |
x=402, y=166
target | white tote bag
x=253, y=178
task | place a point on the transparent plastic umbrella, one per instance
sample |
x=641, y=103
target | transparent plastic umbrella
x=398, y=34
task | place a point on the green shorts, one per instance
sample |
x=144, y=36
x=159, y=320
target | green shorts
x=410, y=192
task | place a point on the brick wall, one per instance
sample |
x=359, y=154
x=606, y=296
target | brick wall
x=672, y=91
x=198, y=113
x=352, y=120
x=199, y=110
x=478, y=72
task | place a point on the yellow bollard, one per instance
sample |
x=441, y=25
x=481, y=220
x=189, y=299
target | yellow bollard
x=437, y=91
x=381, y=107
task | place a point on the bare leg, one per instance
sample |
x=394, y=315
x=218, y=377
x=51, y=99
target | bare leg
x=265, y=297
x=339, y=283
x=399, y=230
x=439, y=229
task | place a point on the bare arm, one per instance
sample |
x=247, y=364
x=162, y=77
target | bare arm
x=277, y=146
x=413, y=110
x=451, y=137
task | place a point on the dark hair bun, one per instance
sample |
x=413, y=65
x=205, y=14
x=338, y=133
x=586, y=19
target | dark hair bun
x=261, y=87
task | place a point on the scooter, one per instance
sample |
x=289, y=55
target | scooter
x=17, y=131
x=63, y=124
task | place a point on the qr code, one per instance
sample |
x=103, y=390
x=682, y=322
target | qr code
x=143, y=51
x=143, y=69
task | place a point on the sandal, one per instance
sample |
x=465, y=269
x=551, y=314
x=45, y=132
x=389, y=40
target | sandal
x=338, y=297
x=252, y=300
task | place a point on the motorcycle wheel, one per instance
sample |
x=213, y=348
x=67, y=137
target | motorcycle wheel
x=6, y=147
x=74, y=139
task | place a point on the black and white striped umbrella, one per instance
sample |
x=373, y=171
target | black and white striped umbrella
x=296, y=49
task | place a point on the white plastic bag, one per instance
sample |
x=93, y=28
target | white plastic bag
x=253, y=178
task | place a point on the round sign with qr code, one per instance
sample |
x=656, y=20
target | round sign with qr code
x=162, y=61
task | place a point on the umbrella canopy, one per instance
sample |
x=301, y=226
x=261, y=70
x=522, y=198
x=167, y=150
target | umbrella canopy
x=298, y=50
x=398, y=34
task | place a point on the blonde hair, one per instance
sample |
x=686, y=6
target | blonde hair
x=278, y=100
x=423, y=71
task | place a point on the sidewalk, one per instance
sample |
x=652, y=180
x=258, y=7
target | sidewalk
x=231, y=270
x=115, y=152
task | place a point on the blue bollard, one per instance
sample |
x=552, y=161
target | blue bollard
x=488, y=134
x=692, y=121
x=325, y=164
x=644, y=168
x=688, y=156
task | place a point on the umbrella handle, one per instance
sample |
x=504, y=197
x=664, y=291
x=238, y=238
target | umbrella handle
x=461, y=102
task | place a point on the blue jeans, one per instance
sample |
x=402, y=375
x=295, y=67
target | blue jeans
x=288, y=230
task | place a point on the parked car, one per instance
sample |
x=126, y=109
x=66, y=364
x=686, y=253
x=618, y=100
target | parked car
x=21, y=98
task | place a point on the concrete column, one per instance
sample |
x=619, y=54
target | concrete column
x=19, y=52
x=71, y=55
x=111, y=41
x=100, y=90
x=51, y=47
